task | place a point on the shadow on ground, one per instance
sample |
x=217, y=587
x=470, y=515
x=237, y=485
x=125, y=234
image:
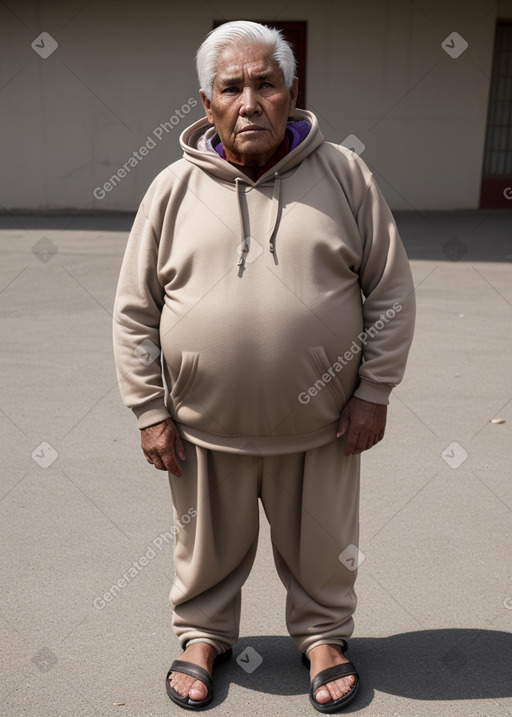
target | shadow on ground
x=455, y=236
x=452, y=664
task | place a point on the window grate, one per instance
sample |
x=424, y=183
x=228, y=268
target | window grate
x=498, y=140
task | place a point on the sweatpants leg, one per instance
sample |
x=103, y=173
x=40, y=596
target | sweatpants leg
x=215, y=550
x=311, y=500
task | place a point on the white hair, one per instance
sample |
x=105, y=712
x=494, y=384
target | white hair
x=231, y=33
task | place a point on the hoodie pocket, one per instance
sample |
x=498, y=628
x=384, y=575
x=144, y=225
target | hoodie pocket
x=327, y=375
x=185, y=378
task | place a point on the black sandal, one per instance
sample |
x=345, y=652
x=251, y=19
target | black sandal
x=329, y=675
x=188, y=668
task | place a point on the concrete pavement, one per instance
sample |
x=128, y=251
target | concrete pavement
x=81, y=510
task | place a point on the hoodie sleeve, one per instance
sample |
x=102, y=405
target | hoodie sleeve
x=137, y=308
x=389, y=302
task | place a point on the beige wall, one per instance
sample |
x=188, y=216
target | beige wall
x=376, y=68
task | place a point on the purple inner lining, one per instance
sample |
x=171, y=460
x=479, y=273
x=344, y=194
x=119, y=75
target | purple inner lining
x=296, y=131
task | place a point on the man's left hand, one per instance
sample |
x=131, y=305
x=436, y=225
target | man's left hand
x=363, y=423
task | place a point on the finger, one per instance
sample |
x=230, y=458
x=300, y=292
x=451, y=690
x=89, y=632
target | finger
x=157, y=461
x=368, y=441
x=174, y=469
x=161, y=461
x=352, y=440
x=376, y=438
x=363, y=442
x=170, y=464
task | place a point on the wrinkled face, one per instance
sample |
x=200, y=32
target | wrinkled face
x=250, y=104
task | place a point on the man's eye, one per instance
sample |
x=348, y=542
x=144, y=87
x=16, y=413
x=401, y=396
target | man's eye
x=229, y=90
x=266, y=85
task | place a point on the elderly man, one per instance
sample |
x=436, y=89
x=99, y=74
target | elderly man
x=264, y=313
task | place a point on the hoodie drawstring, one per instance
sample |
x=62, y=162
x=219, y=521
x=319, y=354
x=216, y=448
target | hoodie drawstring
x=274, y=212
x=274, y=215
x=243, y=241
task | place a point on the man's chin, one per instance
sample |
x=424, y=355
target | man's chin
x=252, y=153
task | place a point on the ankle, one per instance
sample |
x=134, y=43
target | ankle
x=324, y=650
x=201, y=650
x=323, y=656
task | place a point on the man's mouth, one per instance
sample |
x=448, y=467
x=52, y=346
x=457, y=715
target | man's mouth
x=251, y=128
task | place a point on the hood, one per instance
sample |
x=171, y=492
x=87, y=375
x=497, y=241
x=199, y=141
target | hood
x=192, y=138
x=212, y=163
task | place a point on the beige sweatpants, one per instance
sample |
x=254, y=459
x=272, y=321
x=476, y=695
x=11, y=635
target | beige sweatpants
x=311, y=500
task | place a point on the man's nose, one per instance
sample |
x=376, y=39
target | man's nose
x=250, y=102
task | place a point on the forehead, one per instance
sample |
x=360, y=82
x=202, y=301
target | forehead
x=238, y=61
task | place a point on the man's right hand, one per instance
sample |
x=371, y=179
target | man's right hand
x=161, y=444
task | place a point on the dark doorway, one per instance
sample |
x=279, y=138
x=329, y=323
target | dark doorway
x=496, y=189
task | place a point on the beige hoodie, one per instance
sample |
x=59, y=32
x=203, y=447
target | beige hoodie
x=271, y=302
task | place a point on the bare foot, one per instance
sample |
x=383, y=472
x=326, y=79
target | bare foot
x=323, y=657
x=201, y=654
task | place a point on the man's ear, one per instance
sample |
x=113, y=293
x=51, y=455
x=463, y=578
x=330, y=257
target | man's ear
x=294, y=91
x=207, y=106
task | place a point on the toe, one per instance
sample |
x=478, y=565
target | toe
x=198, y=691
x=179, y=683
x=322, y=695
x=334, y=690
x=185, y=686
x=342, y=686
x=189, y=686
